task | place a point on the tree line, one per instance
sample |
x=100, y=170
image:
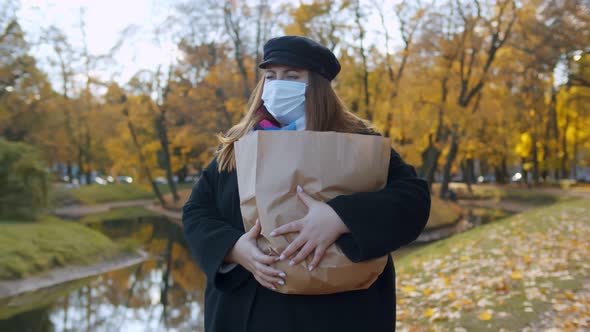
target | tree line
x=469, y=87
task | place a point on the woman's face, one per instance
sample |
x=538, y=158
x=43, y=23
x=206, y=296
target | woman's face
x=287, y=73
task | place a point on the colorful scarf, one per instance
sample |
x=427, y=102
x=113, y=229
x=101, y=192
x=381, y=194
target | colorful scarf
x=269, y=123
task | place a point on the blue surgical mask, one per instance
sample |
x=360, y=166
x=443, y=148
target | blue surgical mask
x=285, y=100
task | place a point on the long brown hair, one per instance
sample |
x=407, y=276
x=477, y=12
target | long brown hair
x=324, y=111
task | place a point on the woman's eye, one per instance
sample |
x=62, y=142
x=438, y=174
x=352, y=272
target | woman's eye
x=292, y=77
x=270, y=77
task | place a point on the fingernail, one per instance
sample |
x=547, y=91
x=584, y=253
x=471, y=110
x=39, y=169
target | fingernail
x=311, y=267
x=291, y=263
x=299, y=189
x=274, y=288
x=282, y=274
x=273, y=233
x=281, y=282
x=281, y=257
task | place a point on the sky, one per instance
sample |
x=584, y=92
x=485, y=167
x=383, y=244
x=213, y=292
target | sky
x=106, y=19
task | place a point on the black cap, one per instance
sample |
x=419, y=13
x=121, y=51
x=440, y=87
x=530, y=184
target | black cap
x=301, y=52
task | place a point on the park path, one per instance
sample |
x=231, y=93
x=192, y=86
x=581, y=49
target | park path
x=576, y=192
x=492, y=204
x=78, y=211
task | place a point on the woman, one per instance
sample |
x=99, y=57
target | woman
x=295, y=93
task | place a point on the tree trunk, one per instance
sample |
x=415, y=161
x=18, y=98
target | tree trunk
x=501, y=172
x=80, y=164
x=535, y=156
x=483, y=167
x=429, y=162
x=69, y=171
x=468, y=173
x=163, y=137
x=235, y=32
x=364, y=60
x=142, y=161
x=87, y=155
x=525, y=173
x=546, y=153
x=387, y=129
x=575, y=150
x=554, y=131
x=444, y=186
x=565, y=157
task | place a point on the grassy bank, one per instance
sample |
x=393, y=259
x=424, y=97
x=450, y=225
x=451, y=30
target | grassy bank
x=501, y=275
x=443, y=213
x=28, y=248
x=94, y=194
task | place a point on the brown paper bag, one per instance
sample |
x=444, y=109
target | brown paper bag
x=270, y=166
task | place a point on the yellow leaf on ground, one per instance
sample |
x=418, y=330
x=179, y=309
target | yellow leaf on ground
x=429, y=312
x=485, y=315
x=516, y=275
x=527, y=259
x=408, y=289
x=447, y=281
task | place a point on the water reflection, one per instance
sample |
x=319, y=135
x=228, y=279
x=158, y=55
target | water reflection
x=164, y=294
x=472, y=217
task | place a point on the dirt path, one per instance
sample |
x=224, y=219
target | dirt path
x=502, y=205
x=576, y=192
x=77, y=211
x=69, y=273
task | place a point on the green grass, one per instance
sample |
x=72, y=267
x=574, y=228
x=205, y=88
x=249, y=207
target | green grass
x=514, y=269
x=28, y=248
x=95, y=193
x=117, y=214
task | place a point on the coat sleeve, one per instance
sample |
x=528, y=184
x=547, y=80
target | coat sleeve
x=208, y=235
x=382, y=221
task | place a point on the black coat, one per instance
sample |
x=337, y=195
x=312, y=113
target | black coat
x=236, y=302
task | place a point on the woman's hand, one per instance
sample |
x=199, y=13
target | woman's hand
x=246, y=253
x=318, y=230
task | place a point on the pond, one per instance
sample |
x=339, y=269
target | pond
x=162, y=294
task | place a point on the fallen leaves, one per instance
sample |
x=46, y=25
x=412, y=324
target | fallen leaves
x=513, y=269
x=485, y=315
